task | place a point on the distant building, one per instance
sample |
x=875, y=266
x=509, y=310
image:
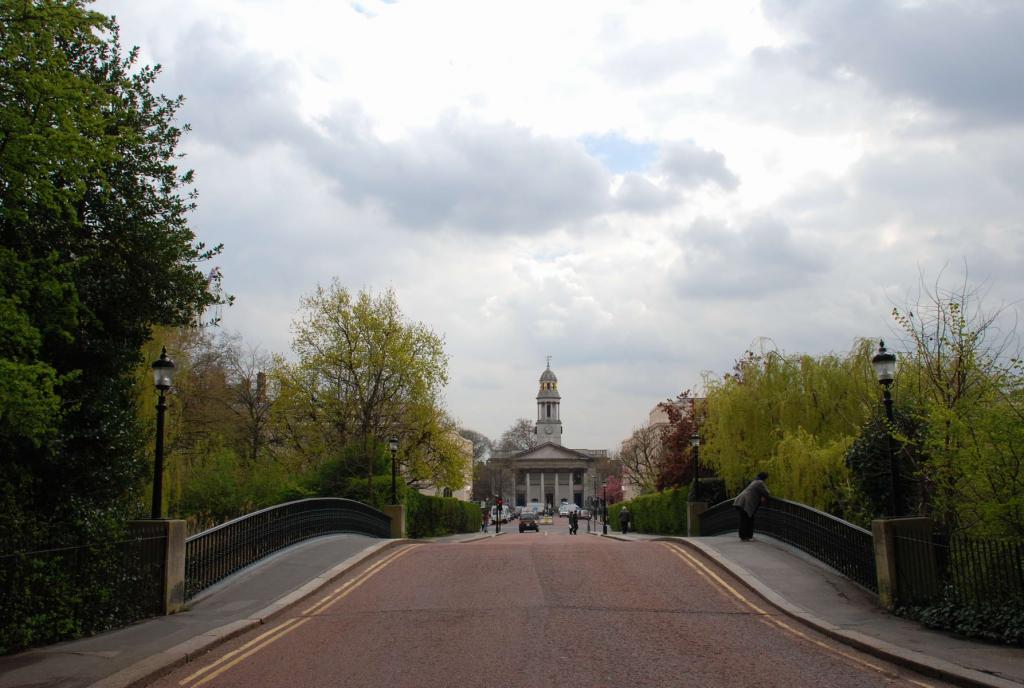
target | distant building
x=549, y=473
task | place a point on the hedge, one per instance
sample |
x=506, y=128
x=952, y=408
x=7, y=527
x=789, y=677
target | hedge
x=661, y=513
x=436, y=516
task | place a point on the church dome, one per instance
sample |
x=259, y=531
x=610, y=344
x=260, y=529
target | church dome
x=548, y=376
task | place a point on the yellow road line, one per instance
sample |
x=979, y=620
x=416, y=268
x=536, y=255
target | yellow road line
x=700, y=568
x=286, y=627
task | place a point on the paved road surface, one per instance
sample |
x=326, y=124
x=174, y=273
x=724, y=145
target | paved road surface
x=536, y=610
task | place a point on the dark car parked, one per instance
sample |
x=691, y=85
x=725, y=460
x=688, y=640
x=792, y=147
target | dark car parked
x=528, y=521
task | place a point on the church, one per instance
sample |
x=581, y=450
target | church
x=549, y=473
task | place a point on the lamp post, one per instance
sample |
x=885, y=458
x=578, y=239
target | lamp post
x=163, y=378
x=695, y=443
x=393, y=445
x=884, y=364
x=604, y=507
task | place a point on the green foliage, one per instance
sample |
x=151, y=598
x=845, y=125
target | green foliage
x=364, y=373
x=792, y=416
x=1000, y=621
x=95, y=249
x=962, y=374
x=428, y=516
x=661, y=513
x=223, y=487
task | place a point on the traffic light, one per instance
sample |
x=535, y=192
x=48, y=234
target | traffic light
x=501, y=501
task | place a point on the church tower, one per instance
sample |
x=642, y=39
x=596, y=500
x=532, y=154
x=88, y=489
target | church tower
x=549, y=423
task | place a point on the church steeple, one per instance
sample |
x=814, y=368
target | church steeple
x=549, y=423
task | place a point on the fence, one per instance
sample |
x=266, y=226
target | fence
x=98, y=585
x=960, y=569
x=845, y=547
x=214, y=554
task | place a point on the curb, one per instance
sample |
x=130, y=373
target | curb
x=911, y=659
x=155, y=666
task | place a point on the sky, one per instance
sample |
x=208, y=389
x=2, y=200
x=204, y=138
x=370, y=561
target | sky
x=641, y=190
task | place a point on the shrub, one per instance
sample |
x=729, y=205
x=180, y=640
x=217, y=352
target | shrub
x=999, y=621
x=428, y=516
x=661, y=513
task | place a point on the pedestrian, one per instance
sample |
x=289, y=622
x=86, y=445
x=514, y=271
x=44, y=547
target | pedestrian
x=748, y=502
x=624, y=520
x=574, y=522
x=486, y=516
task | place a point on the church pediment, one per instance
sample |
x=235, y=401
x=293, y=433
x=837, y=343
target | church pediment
x=548, y=451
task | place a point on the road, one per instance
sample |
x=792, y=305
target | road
x=536, y=609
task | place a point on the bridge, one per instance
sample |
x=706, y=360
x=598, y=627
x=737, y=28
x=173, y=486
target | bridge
x=326, y=564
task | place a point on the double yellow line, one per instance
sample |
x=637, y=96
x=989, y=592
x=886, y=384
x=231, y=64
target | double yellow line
x=212, y=671
x=715, y=580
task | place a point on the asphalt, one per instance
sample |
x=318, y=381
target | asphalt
x=794, y=583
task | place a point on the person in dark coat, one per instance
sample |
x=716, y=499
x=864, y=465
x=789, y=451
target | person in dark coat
x=624, y=520
x=574, y=522
x=748, y=502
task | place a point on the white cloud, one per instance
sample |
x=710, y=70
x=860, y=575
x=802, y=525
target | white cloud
x=639, y=190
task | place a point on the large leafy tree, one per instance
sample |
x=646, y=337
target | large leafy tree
x=95, y=249
x=364, y=373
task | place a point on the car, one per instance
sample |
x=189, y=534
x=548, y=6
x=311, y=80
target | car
x=583, y=514
x=528, y=521
x=563, y=510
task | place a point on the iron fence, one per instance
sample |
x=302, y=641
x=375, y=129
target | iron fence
x=845, y=547
x=967, y=571
x=88, y=587
x=214, y=554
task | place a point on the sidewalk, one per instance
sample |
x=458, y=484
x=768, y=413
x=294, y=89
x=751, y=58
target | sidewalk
x=809, y=591
x=136, y=654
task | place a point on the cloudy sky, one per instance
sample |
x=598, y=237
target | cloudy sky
x=639, y=189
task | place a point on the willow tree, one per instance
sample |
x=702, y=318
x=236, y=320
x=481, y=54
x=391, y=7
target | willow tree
x=363, y=373
x=793, y=416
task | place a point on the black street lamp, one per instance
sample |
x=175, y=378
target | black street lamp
x=393, y=445
x=604, y=507
x=695, y=443
x=884, y=364
x=163, y=378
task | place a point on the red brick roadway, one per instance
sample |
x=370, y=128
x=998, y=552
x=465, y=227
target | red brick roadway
x=536, y=609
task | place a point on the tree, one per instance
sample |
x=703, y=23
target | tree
x=962, y=374
x=641, y=457
x=363, y=373
x=520, y=436
x=482, y=445
x=684, y=420
x=95, y=249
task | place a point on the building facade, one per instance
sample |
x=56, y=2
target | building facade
x=548, y=473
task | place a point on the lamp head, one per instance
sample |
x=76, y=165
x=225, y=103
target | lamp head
x=163, y=371
x=695, y=440
x=884, y=363
x=393, y=444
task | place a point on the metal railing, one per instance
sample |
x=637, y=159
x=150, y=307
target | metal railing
x=95, y=586
x=960, y=569
x=982, y=570
x=845, y=547
x=215, y=554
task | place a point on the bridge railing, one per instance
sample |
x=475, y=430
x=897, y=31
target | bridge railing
x=845, y=547
x=216, y=553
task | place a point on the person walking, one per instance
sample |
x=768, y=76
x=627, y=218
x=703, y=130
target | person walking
x=624, y=520
x=486, y=516
x=748, y=502
x=574, y=522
